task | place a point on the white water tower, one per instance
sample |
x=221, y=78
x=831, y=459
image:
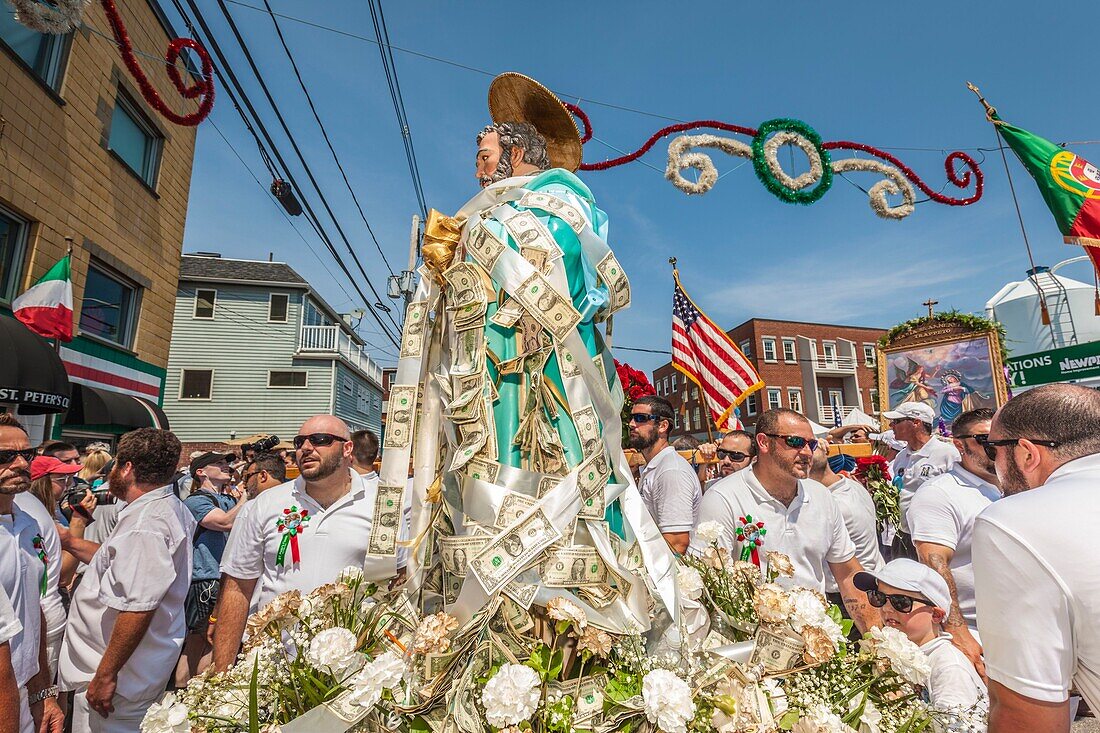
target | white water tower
x=1070, y=303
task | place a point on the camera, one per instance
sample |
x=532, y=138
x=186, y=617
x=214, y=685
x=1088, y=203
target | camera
x=262, y=445
x=72, y=498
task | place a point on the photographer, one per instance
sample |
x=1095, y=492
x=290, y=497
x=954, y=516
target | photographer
x=214, y=503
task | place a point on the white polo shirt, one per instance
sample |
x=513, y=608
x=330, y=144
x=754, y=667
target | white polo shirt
x=671, y=491
x=915, y=467
x=953, y=682
x=858, y=510
x=52, y=608
x=145, y=565
x=20, y=572
x=1038, y=586
x=810, y=531
x=331, y=540
x=943, y=511
x=10, y=625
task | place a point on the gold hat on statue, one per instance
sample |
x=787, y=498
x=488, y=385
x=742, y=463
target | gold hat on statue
x=517, y=98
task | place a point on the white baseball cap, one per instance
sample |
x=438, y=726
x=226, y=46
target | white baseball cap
x=915, y=410
x=910, y=575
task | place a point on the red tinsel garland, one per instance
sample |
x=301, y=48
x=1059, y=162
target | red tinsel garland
x=963, y=181
x=203, y=87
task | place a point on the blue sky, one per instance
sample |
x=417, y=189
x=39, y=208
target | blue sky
x=877, y=73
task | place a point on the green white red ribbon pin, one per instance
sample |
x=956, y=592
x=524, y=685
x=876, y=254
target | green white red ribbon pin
x=751, y=536
x=40, y=548
x=290, y=525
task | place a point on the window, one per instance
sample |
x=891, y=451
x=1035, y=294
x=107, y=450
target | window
x=43, y=53
x=665, y=380
x=789, y=351
x=775, y=399
x=829, y=350
x=687, y=420
x=134, y=140
x=277, y=308
x=769, y=349
x=869, y=355
x=288, y=379
x=694, y=393
x=698, y=420
x=204, y=303
x=794, y=399
x=874, y=400
x=196, y=384
x=673, y=384
x=751, y=405
x=13, y=239
x=109, y=308
x=746, y=348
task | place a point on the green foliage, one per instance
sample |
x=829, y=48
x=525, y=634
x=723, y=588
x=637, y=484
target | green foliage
x=967, y=320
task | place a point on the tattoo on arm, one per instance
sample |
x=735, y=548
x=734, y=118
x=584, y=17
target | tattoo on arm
x=938, y=561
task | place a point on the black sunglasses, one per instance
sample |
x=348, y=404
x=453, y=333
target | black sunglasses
x=732, y=455
x=981, y=439
x=795, y=441
x=317, y=440
x=642, y=418
x=992, y=445
x=27, y=454
x=901, y=604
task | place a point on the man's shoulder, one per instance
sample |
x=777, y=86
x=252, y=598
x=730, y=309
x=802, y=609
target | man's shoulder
x=936, y=448
x=942, y=486
x=273, y=499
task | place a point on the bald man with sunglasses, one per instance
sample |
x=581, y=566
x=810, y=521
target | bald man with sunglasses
x=800, y=517
x=300, y=534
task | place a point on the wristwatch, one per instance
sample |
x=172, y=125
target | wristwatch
x=42, y=694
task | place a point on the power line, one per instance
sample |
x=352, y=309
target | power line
x=324, y=134
x=230, y=82
x=388, y=66
x=305, y=166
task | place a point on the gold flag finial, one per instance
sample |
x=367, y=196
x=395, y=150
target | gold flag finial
x=990, y=110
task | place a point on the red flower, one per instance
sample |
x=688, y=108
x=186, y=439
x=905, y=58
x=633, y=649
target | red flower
x=867, y=464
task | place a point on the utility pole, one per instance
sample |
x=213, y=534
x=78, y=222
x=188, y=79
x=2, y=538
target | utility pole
x=401, y=286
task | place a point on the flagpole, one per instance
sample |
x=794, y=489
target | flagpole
x=708, y=421
x=51, y=419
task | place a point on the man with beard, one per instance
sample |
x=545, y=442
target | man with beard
x=1035, y=573
x=126, y=623
x=942, y=516
x=800, y=517
x=299, y=535
x=735, y=452
x=669, y=486
x=21, y=571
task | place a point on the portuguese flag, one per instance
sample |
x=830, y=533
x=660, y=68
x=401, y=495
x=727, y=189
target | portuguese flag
x=47, y=306
x=1070, y=185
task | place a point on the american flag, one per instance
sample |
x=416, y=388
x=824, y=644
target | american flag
x=708, y=357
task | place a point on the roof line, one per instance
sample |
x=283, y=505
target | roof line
x=219, y=258
x=808, y=323
x=237, y=281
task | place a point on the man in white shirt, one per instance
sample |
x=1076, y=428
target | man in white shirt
x=942, y=516
x=21, y=570
x=734, y=453
x=10, y=627
x=858, y=511
x=126, y=622
x=669, y=486
x=924, y=455
x=802, y=519
x=330, y=509
x=1035, y=573
x=364, y=453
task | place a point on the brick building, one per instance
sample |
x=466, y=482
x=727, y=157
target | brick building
x=808, y=367
x=83, y=156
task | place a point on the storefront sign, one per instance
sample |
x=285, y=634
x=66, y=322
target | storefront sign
x=1069, y=364
x=32, y=398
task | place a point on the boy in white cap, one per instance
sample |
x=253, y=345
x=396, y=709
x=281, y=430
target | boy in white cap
x=914, y=600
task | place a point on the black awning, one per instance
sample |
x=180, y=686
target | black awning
x=95, y=406
x=31, y=373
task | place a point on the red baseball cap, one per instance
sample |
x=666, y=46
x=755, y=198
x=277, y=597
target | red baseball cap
x=45, y=465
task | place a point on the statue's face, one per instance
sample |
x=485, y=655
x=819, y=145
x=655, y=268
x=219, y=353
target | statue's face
x=488, y=158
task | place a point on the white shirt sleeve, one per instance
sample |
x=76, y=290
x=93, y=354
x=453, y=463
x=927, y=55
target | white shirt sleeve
x=672, y=500
x=952, y=686
x=841, y=547
x=139, y=571
x=243, y=557
x=9, y=621
x=1023, y=616
x=932, y=519
x=715, y=507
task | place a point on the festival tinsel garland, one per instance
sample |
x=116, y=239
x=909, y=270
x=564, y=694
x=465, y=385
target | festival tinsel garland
x=767, y=167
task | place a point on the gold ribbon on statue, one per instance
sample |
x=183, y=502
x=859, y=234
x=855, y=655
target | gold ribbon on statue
x=441, y=236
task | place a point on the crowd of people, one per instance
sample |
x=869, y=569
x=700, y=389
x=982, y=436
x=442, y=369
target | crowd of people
x=990, y=572
x=115, y=571
x=125, y=576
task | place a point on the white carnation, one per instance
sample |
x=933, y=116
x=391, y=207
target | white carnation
x=384, y=673
x=511, y=696
x=904, y=656
x=667, y=701
x=350, y=573
x=166, y=716
x=820, y=719
x=690, y=581
x=809, y=610
x=333, y=650
x=709, y=531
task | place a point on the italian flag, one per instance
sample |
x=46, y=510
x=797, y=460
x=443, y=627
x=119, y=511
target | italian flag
x=1070, y=185
x=47, y=306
